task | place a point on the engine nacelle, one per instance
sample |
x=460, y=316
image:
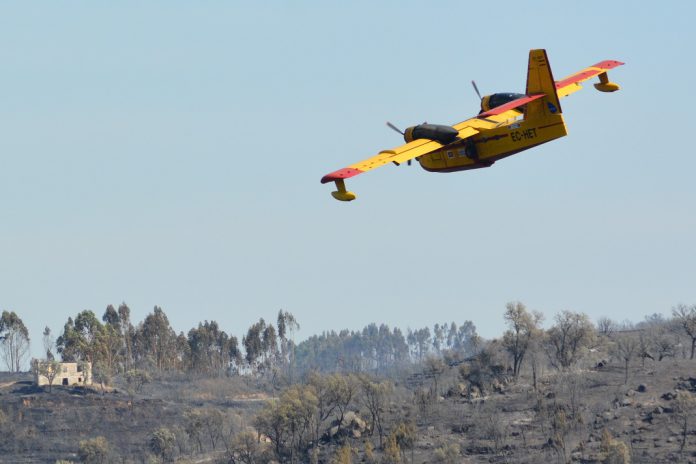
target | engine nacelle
x=497, y=99
x=437, y=132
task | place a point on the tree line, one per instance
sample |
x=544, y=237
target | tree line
x=114, y=344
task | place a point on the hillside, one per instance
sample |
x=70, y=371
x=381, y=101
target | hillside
x=561, y=422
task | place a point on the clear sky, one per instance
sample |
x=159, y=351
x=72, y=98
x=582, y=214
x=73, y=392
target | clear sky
x=169, y=153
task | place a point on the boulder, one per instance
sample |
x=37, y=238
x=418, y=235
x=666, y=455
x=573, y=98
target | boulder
x=352, y=425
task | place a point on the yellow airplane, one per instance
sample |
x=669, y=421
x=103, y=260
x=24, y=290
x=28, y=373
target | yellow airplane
x=507, y=124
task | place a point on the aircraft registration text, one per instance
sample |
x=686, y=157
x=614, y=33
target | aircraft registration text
x=519, y=135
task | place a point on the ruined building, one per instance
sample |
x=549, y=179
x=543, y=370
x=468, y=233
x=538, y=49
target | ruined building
x=66, y=373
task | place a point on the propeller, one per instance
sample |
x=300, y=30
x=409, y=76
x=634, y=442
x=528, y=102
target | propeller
x=393, y=127
x=477, y=90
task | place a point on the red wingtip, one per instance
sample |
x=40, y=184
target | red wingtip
x=608, y=64
x=344, y=173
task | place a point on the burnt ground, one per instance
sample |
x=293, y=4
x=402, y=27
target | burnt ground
x=41, y=426
x=564, y=420
x=561, y=422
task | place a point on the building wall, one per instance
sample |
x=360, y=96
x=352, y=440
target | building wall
x=69, y=374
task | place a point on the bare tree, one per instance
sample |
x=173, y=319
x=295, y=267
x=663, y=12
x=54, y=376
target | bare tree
x=374, y=397
x=606, y=326
x=523, y=326
x=686, y=317
x=14, y=341
x=566, y=340
x=625, y=348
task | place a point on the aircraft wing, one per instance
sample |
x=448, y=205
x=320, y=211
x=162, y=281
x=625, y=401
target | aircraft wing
x=571, y=84
x=419, y=147
x=396, y=155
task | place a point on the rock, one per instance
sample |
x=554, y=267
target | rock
x=669, y=396
x=642, y=388
x=626, y=402
x=351, y=425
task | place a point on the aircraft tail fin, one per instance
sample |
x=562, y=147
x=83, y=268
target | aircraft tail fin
x=540, y=81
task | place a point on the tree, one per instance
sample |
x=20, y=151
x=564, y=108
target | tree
x=127, y=333
x=288, y=421
x=287, y=326
x=253, y=345
x=162, y=444
x=433, y=368
x=374, y=396
x=194, y=427
x=48, y=343
x=93, y=451
x=269, y=345
x=212, y=420
x=80, y=339
x=14, y=341
x=606, y=326
x=439, y=337
x=566, y=340
x=135, y=381
x=49, y=369
x=406, y=435
x=234, y=354
x=625, y=348
x=522, y=327
x=157, y=340
x=209, y=349
x=420, y=340
x=245, y=448
x=686, y=318
x=684, y=408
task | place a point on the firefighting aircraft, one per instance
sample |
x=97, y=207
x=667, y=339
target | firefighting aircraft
x=507, y=124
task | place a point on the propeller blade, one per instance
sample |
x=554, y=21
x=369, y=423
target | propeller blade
x=392, y=126
x=477, y=90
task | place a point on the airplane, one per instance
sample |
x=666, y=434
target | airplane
x=507, y=124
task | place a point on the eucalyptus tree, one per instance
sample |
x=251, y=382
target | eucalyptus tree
x=14, y=341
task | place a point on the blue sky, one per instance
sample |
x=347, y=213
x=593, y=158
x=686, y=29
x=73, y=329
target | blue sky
x=169, y=153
